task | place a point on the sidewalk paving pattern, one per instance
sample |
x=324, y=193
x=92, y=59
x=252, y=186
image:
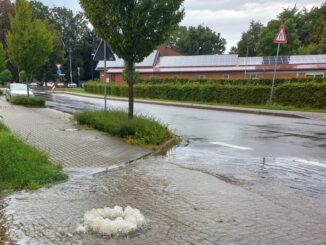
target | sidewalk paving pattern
x=183, y=206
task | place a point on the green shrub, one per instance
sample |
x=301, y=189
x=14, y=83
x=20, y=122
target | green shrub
x=1, y=92
x=140, y=130
x=28, y=101
x=23, y=166
x=302, y=95
x=242, y=81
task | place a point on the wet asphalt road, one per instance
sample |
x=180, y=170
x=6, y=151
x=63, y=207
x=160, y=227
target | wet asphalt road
x=283, y=159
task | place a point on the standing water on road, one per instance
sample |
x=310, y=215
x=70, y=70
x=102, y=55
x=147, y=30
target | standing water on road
x=273, y=161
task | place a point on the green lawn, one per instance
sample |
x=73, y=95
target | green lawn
x=23, y=166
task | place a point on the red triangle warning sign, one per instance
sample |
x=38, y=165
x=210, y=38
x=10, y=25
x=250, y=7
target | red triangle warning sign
x=281, y=36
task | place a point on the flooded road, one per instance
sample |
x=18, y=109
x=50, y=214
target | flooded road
x=235, y=178
x=281, y=158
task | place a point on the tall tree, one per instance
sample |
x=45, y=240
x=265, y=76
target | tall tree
x=248, y=42
x=197, y=41
x=133, y=28
x=6, y=9
x=265, y=45
x=29, y=42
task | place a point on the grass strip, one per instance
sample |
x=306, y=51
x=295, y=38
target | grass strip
x=23, y=166
x=141, y=130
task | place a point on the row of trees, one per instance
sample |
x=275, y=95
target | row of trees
x=306, y=31
x=37, y=37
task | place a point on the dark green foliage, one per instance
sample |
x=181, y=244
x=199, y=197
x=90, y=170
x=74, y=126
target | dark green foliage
x=28, y=101
x=199, y=40
x=141, y=130
x=24, y=167
x=303, y=92
x=1, y=92
x=5, y=76
x=302, y=95
x=247, y=46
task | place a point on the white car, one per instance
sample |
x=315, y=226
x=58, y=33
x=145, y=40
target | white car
x=17, y=89
x=72, y=85
x=60, y=85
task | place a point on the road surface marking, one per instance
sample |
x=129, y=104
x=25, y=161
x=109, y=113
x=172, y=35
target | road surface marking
x=233, y=146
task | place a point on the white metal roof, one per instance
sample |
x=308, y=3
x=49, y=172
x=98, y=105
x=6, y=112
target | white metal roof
x=149, y=61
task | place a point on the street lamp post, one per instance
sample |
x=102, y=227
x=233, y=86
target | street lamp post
x=70, y=65
x=92, y=63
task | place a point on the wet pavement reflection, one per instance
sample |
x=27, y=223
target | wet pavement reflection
x=279, y=159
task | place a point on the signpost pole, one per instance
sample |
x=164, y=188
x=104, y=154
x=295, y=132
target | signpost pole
x=280, y=38
x=105, y=78
x=274, y=75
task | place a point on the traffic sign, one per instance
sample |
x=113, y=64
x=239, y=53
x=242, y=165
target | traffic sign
x=58, y=66
x=59, y=72
x=99, y=54
x=281, y=36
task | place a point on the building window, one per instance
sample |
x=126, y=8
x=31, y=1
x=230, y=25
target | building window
x=315, y=74
x=226, y=76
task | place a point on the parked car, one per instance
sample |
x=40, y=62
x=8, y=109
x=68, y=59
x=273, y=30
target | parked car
x=60, y=85
x=17, y=89
x=72, y=85
x=33, y=85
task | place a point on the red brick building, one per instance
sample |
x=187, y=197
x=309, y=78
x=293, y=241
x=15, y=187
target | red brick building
x=166, y=63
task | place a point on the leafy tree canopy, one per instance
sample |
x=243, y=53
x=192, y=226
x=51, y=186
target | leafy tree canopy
x=197, y=41
x=6, y=8
x=29, y=42
x=248, y=42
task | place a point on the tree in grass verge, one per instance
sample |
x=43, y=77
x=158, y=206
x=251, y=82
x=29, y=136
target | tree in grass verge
x=133, y=29
x=29, y=42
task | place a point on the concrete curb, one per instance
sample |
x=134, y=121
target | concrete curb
x=289, y=114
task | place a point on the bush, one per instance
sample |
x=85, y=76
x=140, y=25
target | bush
x=243, y=81
x=28, y=101
x=23, y=166
x=1, y=92
x=5, y=76
x=302, y=95
x=140, y=130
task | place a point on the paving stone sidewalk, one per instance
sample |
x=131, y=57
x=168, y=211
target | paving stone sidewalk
x=53, y=132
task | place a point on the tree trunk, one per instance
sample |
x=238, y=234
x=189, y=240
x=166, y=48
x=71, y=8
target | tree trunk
x=130, y=70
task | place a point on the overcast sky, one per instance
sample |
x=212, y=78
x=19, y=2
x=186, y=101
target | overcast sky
x=229, y=17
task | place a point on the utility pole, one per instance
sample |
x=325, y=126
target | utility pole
x=92, y=63
x=70, y=65
x=105, y=78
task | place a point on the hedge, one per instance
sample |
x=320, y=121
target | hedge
x=300, y=94
x=266, y=82
x=28, y=101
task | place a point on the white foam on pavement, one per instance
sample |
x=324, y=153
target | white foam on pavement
x=112, y=221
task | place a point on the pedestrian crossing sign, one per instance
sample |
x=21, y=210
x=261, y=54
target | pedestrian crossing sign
x=281, y=36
